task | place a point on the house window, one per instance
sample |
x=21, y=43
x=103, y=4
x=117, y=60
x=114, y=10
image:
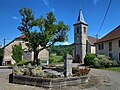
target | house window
x=84, y=29
x=118, y=43
x=77, y=29
x=101, y=46
x=110, y=55
x=110, y=46
x=119, y=56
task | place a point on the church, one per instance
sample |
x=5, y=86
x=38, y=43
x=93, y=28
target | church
x=82, y=42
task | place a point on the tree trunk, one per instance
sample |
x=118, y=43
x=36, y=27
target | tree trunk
x=35, y=61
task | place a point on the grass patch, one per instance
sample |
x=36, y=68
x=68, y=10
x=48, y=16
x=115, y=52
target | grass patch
x=54, y=59
x=112, y=69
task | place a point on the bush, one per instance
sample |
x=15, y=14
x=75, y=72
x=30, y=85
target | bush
x=51, y=60
x=39, y=62
x=23, y=62
x=36, y=71
x=103, y=62
x=89, y=59
x=17, y=52
x=61, y=60
x=17, y=71
x=59, y=53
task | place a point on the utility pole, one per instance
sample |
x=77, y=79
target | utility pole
x=96, y=37
x=4, y=43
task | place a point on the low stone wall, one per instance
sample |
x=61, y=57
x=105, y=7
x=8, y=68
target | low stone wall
x=6, y=67
x=49, y=82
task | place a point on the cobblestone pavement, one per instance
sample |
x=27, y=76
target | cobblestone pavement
x=99, y=80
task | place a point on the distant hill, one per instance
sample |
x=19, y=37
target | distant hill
x=61, y=50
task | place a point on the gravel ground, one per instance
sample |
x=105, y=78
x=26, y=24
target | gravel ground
x=99, y=80
x=112, y=81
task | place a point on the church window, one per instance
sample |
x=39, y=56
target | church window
x=84, y=29
x=77, y=29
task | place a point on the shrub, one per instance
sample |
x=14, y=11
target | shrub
x=103, y=62
x=27, y=71
x=59, y=53
x=51, y=60
x=39, y=62
x=17, y=71
x=61, y=60
x=114, y=63
x=17, y=52
x=23, y=62
x=89, y=59
x=36, y=71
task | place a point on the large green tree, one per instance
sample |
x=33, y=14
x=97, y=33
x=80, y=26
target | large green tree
x=49, y=31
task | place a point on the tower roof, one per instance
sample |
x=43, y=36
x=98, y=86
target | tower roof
x=81, y=17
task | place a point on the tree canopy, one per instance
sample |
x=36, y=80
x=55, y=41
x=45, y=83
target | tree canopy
x=41, y=31
x=61, y=50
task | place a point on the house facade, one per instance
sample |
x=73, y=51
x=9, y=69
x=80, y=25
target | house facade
x=82, y=42
x=109, y=45
x=27, y=55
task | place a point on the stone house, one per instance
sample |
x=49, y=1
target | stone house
x=109, y=45
x=82, y=42
x=27, y=55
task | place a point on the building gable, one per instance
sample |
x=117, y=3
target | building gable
x=114, y=34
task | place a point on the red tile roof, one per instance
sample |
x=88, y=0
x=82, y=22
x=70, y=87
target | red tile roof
x=91, y=40
x=21, y=37
x=114, y=34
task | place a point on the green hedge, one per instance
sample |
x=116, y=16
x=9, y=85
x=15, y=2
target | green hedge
x=101, y=61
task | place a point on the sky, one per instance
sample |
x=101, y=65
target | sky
x=65, y=10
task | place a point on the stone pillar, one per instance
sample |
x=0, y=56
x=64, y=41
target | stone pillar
x=68, y=65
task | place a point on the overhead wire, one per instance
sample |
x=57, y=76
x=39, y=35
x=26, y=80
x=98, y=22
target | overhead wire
x=104, y=17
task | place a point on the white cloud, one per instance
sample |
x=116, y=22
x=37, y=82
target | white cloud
x=95, y=1
x=14, y=17
x=66, y=43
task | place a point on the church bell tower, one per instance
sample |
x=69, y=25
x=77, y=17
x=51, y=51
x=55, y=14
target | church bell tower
x=80, y=38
